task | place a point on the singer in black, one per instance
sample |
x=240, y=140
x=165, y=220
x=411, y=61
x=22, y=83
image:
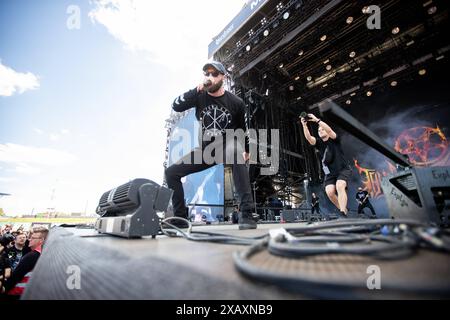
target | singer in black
x=218, y=111
x=362, y=196
x=336, y=168
x=314, y=203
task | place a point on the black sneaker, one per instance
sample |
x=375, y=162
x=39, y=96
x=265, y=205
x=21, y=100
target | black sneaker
x=176, y=223
x=343, y=214
x=246, y=221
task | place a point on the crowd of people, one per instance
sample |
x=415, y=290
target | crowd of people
x=19, y=252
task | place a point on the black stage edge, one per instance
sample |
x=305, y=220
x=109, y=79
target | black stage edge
x=113, y=268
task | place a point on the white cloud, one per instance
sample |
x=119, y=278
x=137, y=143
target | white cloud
x=172, y=34
x=54, y=137
x=20, y=154
x=7, y=179
x=12, y=81
x=27, y=169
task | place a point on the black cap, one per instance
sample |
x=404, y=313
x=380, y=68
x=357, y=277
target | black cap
x=216, y=65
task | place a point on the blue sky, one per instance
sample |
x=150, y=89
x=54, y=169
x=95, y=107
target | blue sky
x=83, y=110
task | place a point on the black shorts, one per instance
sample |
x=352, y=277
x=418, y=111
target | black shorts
x=344, y=174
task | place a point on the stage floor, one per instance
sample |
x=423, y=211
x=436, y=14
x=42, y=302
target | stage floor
x=175, y=268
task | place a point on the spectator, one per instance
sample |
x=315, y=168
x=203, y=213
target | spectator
x=16, y=284
x=5, y=267
x=18, y=250
x=6, y=229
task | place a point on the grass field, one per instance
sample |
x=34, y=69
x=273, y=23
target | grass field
x=69, y=220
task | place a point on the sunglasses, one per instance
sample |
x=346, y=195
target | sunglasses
x=214, y=74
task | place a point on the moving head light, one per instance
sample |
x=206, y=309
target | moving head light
x=130, y=209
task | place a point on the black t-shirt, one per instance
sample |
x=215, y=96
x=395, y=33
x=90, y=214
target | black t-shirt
x=26, y=265
x=15, y=255
x=216, y=114
x=4, y=262
x=332, y=155
x=360, y=195
x=315, y=201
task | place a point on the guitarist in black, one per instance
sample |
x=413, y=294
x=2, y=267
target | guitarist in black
x=362, y=196
x=314, y=203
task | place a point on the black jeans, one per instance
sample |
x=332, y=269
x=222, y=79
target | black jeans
x=187, y=165
x=364, y=205
x=315, y=208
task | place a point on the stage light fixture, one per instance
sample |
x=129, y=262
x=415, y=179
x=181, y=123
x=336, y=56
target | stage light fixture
x=422, y=72
x=349, y=20
x=248, y=47
x=263, y=21
x=323, y=38
x=286, y=15
x=325, y=85
x=281, y=65
x=300, y=53
x=130, y=210
x=432, y=10
x=264, y=76
x=309, y=78
x=348, y=101
x=328, y=67
x=352, y=94
x=291, y=88
x=365, y=9
x=352, y=54
x=394, y=83
x=266, y=33
x=357, y=69
x=369, y=93
x=296, y=78
x=299, y=98
x=279, y=6
x=395, y=30
x=326, y=61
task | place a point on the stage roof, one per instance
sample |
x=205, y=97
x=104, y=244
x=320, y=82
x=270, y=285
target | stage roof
x=307, y=51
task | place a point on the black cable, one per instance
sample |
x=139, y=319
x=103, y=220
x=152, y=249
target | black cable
x=355, y=223
x=328, y=288
x=381, y=239
x=227, y=235
x=329, y=238
x=206, y=236
x=387, y=247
